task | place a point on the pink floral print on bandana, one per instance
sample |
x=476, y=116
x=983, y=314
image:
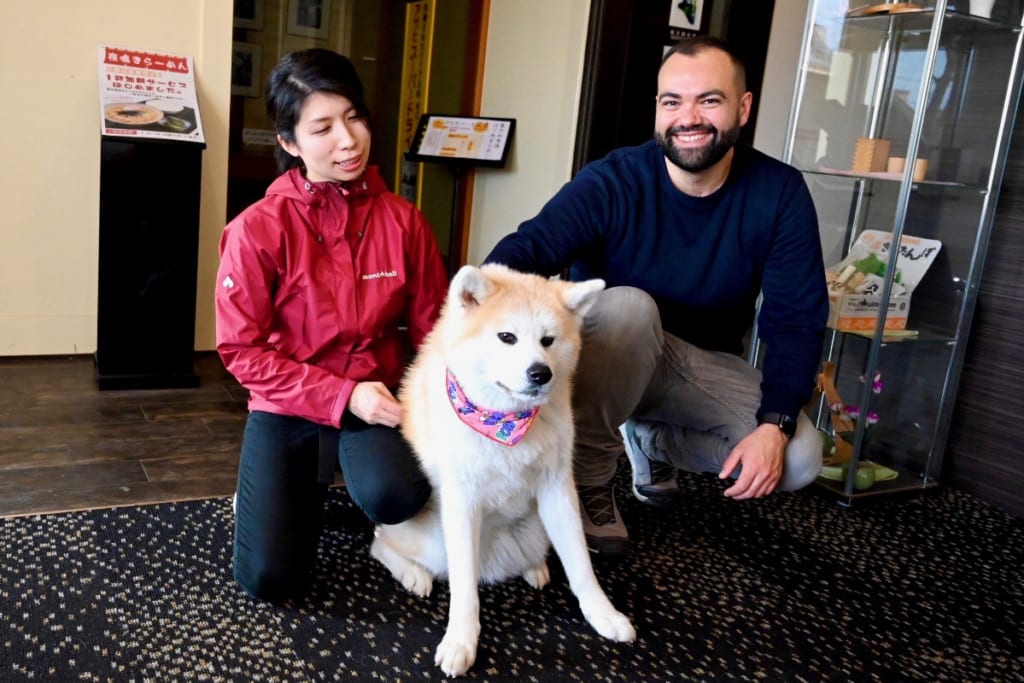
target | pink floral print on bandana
x=505, y=428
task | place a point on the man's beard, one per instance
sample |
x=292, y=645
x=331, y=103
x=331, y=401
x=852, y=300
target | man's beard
x=699, y=159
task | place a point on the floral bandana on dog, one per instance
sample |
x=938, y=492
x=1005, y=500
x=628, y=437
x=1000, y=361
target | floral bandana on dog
x=505, y=428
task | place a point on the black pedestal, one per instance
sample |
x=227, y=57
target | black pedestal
x=148, y=250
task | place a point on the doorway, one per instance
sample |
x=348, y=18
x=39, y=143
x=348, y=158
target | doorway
x=626, y=40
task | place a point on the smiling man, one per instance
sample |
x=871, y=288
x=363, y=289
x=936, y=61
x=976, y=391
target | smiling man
x=686, y=230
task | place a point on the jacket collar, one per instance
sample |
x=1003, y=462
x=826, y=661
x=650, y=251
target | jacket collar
x=293, y=185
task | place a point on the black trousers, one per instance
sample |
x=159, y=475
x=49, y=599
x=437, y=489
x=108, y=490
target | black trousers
x=282, y=488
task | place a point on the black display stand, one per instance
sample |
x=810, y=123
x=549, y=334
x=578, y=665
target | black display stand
x=460, y=143
x=148, y=250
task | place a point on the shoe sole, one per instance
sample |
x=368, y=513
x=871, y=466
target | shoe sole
x=608, y=547
x=658, y=499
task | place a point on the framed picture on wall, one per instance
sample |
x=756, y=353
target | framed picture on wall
x=687, y=17
x=309, y=18
x=249, y=14
x=246, y=74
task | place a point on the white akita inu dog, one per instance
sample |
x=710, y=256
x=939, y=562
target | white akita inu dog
x=487, y=410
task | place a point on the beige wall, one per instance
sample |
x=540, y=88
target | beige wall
x=780, y=75
x=49, y=181
x=532, y=74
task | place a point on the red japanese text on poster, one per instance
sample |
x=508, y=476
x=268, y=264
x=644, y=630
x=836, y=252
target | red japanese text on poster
x=147, y=94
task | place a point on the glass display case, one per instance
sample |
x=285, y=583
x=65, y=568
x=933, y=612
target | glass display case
x=900, y=123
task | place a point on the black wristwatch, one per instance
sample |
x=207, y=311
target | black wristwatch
x=785, y=423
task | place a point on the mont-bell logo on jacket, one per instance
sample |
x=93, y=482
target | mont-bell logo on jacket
x=379, y=274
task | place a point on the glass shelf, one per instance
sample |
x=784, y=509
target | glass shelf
x=938, y=86
x=922, y=20
x=891, y=177
x=912, y=336
x=906, y=482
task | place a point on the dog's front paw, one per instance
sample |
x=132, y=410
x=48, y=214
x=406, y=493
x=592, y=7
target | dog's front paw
x=416, y=580
x=455, y=654
x=537, y=576
x=613, y=625
x=413, y=577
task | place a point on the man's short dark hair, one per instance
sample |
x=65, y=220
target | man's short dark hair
x=693, y=45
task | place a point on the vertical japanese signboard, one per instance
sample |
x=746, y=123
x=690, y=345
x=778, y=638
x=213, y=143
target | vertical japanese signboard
x=148, y=94
x=419, y=27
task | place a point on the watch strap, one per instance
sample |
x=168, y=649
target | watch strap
x=785, y=423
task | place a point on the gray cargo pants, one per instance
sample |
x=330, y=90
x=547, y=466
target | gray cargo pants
x=690, y=407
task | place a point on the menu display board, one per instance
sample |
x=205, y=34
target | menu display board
x=468, y=140
x=147, y=94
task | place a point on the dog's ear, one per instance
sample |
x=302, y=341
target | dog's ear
x=469, y=287
x=580, y=296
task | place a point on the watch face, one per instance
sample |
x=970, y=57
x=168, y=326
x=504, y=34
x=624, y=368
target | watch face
x=785, y=423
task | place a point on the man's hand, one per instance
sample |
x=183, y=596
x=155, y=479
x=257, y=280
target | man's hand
x=372, y=403
x=761, y=454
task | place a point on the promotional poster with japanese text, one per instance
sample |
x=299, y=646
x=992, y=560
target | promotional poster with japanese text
x=148, y=94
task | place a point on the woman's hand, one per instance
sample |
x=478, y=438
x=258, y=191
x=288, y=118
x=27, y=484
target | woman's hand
x=372, y=403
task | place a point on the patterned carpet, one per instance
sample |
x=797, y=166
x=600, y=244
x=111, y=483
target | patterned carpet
x=791, y=588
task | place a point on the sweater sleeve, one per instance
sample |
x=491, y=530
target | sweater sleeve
x=566, y=229
x=794, y=308
x=246, y=280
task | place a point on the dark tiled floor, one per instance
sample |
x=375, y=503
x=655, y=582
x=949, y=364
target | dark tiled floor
x=66, y=445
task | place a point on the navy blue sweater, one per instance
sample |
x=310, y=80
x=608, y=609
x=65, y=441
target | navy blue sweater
x=703, y=259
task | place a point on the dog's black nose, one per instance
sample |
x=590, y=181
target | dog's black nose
x=539, y=374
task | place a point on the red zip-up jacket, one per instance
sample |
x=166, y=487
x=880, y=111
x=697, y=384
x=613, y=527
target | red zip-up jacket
x=314, y=281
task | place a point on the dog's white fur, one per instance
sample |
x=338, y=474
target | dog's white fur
x=495, y=507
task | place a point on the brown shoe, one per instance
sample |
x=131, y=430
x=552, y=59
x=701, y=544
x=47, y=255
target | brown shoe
x=602, y=526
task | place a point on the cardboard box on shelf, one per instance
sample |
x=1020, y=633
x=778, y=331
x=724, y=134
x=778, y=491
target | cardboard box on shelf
x=870, y=155
x=855, y=283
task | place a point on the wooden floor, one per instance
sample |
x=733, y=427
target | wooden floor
x=66, y=445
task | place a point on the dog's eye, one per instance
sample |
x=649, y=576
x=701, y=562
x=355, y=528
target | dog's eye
x=547, y=341
x=507, y=338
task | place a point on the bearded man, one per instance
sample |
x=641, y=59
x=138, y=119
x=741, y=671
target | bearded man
x=687, y=229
